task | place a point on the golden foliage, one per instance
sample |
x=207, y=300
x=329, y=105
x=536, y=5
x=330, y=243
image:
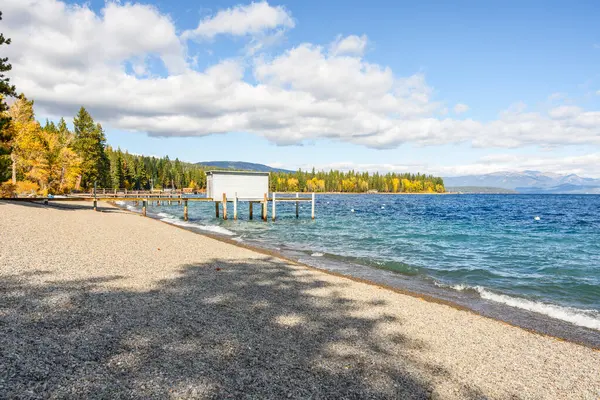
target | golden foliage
x=27, y=188
x=193, y=185
x=292, y=184
x=42, y=156
x=8, y=189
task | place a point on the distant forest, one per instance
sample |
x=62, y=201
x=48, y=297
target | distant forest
x=52, y=159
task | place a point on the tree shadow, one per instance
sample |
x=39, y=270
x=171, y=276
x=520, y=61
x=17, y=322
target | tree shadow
x=221, y=329
x=62, y=205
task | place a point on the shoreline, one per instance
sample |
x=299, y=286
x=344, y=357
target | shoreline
x=560, y=330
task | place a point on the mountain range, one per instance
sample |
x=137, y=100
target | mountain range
x=241, y=166
x=528, y=182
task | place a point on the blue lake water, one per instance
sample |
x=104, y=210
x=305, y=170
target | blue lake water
x=535, y=252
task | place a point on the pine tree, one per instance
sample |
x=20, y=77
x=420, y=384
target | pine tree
x=90, y=143
x=6, y=90
x=116, y=169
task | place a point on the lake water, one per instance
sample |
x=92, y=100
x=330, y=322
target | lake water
x=537, y=253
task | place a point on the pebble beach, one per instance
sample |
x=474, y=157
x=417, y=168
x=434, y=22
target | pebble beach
x=111, y=304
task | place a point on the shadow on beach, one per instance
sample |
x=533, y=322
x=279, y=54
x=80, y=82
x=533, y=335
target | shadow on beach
x=63, y=205
x=222, y=329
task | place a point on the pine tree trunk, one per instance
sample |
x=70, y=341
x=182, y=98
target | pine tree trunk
x=13, y=158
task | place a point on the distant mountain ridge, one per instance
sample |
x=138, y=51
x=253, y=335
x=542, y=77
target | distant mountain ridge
x=529, y=182
x=242, y=165
x=479, y=190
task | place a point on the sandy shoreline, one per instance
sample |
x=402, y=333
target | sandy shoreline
x=112, y=304
x=525, y=319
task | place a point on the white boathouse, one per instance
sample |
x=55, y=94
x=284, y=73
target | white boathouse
x=249, y=186
x=243, y=185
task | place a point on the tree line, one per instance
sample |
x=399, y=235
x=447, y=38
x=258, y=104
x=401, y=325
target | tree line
x=355, y=182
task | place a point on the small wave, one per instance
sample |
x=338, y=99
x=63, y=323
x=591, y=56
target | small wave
x=163, y=215
x=208, y=228
x=460, y=287
x=317, y=254
x=586, y=318
x=124, y=204
x=237, y=239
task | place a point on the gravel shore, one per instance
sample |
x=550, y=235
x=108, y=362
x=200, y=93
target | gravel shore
x=114, y=305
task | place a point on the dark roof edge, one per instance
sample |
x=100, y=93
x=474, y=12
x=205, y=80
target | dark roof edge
x=212, y=172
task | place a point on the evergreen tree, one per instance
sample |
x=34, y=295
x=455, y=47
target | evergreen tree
x=117, y=172
x=6, y=90
x=90, y=143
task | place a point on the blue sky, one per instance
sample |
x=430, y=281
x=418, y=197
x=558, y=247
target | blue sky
x=537, y=59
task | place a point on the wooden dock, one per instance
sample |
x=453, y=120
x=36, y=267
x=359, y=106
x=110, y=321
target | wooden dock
x=147, y=199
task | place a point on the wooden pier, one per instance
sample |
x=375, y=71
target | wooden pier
x=222, y=188
x=148, y=199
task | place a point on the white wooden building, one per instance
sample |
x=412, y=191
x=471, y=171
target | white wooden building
x=245, y=185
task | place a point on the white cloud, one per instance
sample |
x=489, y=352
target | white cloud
x=461, y=108
x=585, y=165
x=51, y=39
x=564, y=112
x=66, y=56
x=349, y=45
x=241, y=20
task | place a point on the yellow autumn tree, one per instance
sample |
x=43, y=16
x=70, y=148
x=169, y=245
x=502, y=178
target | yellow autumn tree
x=349, y=185
x=42, y=155
x=292, y=185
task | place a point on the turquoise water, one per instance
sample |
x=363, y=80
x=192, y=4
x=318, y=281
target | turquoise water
x=538, y=253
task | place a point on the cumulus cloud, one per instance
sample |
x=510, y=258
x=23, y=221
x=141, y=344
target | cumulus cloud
x=65, y=56
x=349, y=45
x=241, y=20
x=461, y=108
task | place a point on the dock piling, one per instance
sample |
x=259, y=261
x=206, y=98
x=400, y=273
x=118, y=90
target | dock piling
x=185, y=210
x=224, y=206
x=273, y=212
x=144, y=204
x=216, y=209
x=235, y=207
x=250, y=210
x=264, y=208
